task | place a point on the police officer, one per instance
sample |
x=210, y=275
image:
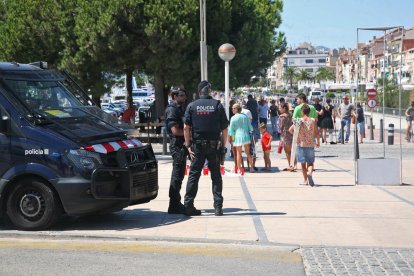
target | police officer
x=175, y=129
x=206, y=119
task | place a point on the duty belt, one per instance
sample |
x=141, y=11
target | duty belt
x=212, y=143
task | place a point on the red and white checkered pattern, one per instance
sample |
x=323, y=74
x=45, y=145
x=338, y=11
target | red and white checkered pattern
x=114, y=146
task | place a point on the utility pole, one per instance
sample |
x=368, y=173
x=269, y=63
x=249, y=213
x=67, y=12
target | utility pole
x=203, y=39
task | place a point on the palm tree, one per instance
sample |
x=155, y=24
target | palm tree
x=290, y=75
x=324, y=73
x=304, y=75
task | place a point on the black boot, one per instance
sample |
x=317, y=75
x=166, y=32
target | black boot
x=218, y=211
x=176, y=208
x=192, y=211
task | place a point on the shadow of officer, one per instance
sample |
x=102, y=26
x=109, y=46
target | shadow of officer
x=207, y=121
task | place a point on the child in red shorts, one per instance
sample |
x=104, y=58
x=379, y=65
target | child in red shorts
x=266, y=146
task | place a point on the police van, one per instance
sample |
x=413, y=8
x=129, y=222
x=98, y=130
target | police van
x=61, y=154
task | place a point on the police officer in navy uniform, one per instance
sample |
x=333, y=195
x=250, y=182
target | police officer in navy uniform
x=174, y=114
x=205, y=133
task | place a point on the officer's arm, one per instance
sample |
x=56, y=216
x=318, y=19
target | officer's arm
x=176, y=131
x=224, y=137
x=187, y=136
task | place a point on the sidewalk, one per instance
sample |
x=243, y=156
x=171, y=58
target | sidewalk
x=265, y=208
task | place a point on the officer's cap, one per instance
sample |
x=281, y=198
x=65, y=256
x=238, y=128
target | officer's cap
x=204, y=87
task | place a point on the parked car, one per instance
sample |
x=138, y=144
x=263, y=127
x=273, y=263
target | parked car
x=315, y=94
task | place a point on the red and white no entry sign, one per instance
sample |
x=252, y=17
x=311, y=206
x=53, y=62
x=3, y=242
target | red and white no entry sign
x=372, y=103
x=371, y=93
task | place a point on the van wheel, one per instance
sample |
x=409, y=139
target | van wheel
x=32, y=205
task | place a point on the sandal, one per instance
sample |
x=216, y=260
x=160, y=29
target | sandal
x=286, y=169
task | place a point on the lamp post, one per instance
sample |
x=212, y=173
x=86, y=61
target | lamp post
x=226, y=53
x=203, y=45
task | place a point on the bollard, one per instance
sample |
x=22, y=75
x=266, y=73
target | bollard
x=381, y=138
x=164, y=140
x=342, y=134
x=356, y=146
x=391, y=134
x=371, y=128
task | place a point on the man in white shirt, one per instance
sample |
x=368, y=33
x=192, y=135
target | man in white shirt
x=247, y=112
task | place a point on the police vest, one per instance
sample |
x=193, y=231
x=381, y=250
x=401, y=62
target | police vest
x=206, y=119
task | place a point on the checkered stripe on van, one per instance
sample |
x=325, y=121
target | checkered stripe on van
x=114, y=146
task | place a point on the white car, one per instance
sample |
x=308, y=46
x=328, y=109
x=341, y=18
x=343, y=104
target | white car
x=315, y=94
x=110, y=112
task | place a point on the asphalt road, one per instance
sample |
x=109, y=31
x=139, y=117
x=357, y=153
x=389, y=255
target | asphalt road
x=81, y=257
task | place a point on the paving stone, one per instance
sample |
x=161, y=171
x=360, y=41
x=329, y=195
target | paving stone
x=365, y=261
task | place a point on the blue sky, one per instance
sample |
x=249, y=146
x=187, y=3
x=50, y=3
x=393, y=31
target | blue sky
x=333, y=23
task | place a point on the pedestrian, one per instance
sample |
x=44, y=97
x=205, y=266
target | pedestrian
x=328, y=121
x=263, y=111
x=360, y=120
x=305, y=153
x=206, y=120
x=319, y=111
x=175, y=129
x=253, y=106
x=252, y=140
x=252, y=137
x=128, y=116
x=301, y=99
x=239, y=135
x=284, y=122
x=231, y=114
x=409, y=113
x=266, y=146
x=274, y=115
x=345, y=112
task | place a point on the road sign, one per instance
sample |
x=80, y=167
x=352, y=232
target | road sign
x=372, y=103
x=371, y=93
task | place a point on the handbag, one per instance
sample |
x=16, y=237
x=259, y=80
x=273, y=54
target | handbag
x=280, y=147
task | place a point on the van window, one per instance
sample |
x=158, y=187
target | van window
x=40, y=96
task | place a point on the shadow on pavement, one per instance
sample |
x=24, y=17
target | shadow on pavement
x=123, y=220
x=244, y=212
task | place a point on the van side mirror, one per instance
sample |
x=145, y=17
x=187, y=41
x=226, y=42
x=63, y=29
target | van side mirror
x=5, y=124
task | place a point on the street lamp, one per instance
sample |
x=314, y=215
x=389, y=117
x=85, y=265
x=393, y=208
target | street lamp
x=226, y=53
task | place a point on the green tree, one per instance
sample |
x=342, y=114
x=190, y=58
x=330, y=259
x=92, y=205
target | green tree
x=29, y=33
x=111, y=33
x=172, y=43
x=96, y=39
x=304, y=75
x=290, y=74
x=251, y=26
x=324, y=74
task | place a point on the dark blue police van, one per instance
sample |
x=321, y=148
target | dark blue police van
x=61, y=154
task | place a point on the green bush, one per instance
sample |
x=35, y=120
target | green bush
x=330, y=95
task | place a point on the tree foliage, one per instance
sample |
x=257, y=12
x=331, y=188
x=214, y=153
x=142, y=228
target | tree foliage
x=96, y=39
x=304, y=75
x=290, y=74
x=29, y=33
x=323, y=74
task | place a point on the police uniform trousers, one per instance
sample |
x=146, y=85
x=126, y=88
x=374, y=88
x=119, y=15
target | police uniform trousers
x=203, y=152
x=179, y=162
